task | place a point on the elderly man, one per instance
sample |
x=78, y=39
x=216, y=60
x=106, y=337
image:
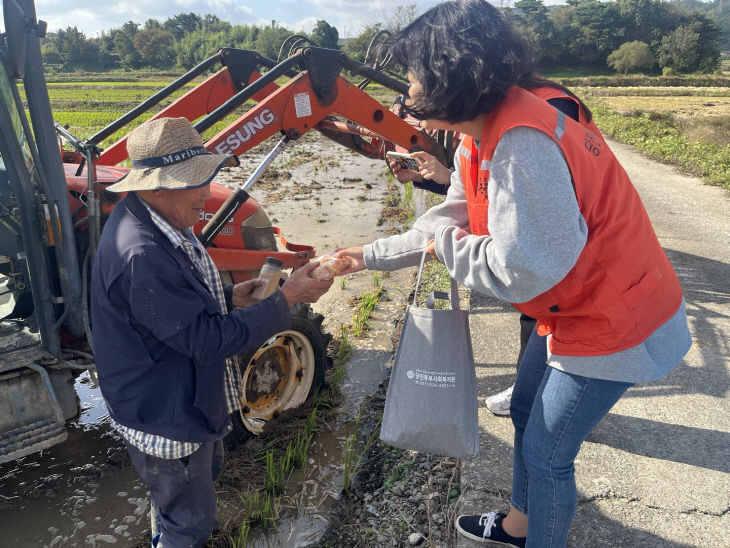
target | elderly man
x=165, y=328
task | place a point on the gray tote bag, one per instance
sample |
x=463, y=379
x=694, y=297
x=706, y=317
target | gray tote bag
x=431, y=403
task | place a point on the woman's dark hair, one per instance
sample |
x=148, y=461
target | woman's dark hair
x=466, y=55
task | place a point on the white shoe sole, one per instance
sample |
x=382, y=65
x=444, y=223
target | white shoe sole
x=482, y=540
x=498, y=412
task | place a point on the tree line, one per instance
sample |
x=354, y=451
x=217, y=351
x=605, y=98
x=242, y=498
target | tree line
x=627, y=35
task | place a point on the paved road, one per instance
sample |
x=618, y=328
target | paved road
x=656, y=471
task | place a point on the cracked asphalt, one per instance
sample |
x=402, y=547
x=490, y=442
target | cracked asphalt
x=656, y=471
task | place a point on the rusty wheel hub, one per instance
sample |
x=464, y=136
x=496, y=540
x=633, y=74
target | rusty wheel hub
x=278, y=377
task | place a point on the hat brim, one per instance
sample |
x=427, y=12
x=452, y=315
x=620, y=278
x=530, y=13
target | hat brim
x=191, y=173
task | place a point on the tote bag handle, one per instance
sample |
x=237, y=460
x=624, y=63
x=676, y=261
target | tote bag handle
x=431, y=299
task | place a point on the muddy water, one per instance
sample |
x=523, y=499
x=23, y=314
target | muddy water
x=83, y=492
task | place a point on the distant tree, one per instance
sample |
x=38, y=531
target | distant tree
x=680, y=49
x=108, y=57
x=182, y=24
x=212, y=23
x=188, y=50
x=532, y=13
x=74, y=50
x=129, y=28
x=357, y=47
x=269, y=40
x=646, y=20
x=129, y=58
x=685, y=51
x=325, y=35
x=401, y=17
x=152, y=24
x=532, y=21
x=49, y=51
x=709, y=42
x=601, y=30
x=155, y=47
x=631, y=57
x=243, y=36
x=559, y=49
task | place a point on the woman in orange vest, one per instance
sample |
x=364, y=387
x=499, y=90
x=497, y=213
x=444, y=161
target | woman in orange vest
x=539, y=214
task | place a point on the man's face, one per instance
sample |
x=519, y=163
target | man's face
x=180, y=208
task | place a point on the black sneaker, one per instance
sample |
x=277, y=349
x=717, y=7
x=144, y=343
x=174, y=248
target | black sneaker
x=487, y=528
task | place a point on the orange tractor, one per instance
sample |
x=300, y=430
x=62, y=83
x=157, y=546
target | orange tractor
x=53, y=206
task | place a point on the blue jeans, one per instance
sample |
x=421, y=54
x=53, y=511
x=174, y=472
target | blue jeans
x=552, y=412
x=183, y=492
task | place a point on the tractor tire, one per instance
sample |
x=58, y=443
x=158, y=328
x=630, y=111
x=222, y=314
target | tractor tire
x=281, y=374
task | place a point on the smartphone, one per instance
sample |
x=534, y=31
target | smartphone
x=404, y=160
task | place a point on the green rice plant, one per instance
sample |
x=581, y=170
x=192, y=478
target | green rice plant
x=280, y=464
x=259, y=509
x=344, y=350
x=241, y=540
x=277, y=472
x=368, y=302
x=352, y=456
x=310, y=426
x=343, y=283
x=408, y=206
x=298, y=449
x=408, y=194
x=377, y=279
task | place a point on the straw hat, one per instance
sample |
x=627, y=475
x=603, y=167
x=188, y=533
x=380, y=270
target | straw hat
x=168, y=154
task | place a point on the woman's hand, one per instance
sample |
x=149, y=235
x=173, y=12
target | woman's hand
x=431, y=168
x=431, y=249
x=242, y=293
x=404, y=175
x=355, y=253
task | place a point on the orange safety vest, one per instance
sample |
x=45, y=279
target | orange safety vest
x=546, y=93
x=622, y=287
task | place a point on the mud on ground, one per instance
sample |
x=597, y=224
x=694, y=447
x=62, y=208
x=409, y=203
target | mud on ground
x=398, y=497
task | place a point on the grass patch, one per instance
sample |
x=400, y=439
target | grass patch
x=620, y=80
x=659, y=136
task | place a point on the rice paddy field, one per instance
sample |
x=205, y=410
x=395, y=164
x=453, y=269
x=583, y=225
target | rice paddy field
x=688, y=126
x=85, y=107
x=683, y=121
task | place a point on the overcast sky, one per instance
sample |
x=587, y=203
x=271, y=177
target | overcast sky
x=349, y=16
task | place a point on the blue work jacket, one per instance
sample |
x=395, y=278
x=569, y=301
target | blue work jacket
x=160, y=339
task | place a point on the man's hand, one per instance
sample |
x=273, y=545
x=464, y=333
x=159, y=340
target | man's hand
x=242, y=293
x=301, y=288
x=355, y=253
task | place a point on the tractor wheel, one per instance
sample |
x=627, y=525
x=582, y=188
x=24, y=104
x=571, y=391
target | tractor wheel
x=282, y=373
